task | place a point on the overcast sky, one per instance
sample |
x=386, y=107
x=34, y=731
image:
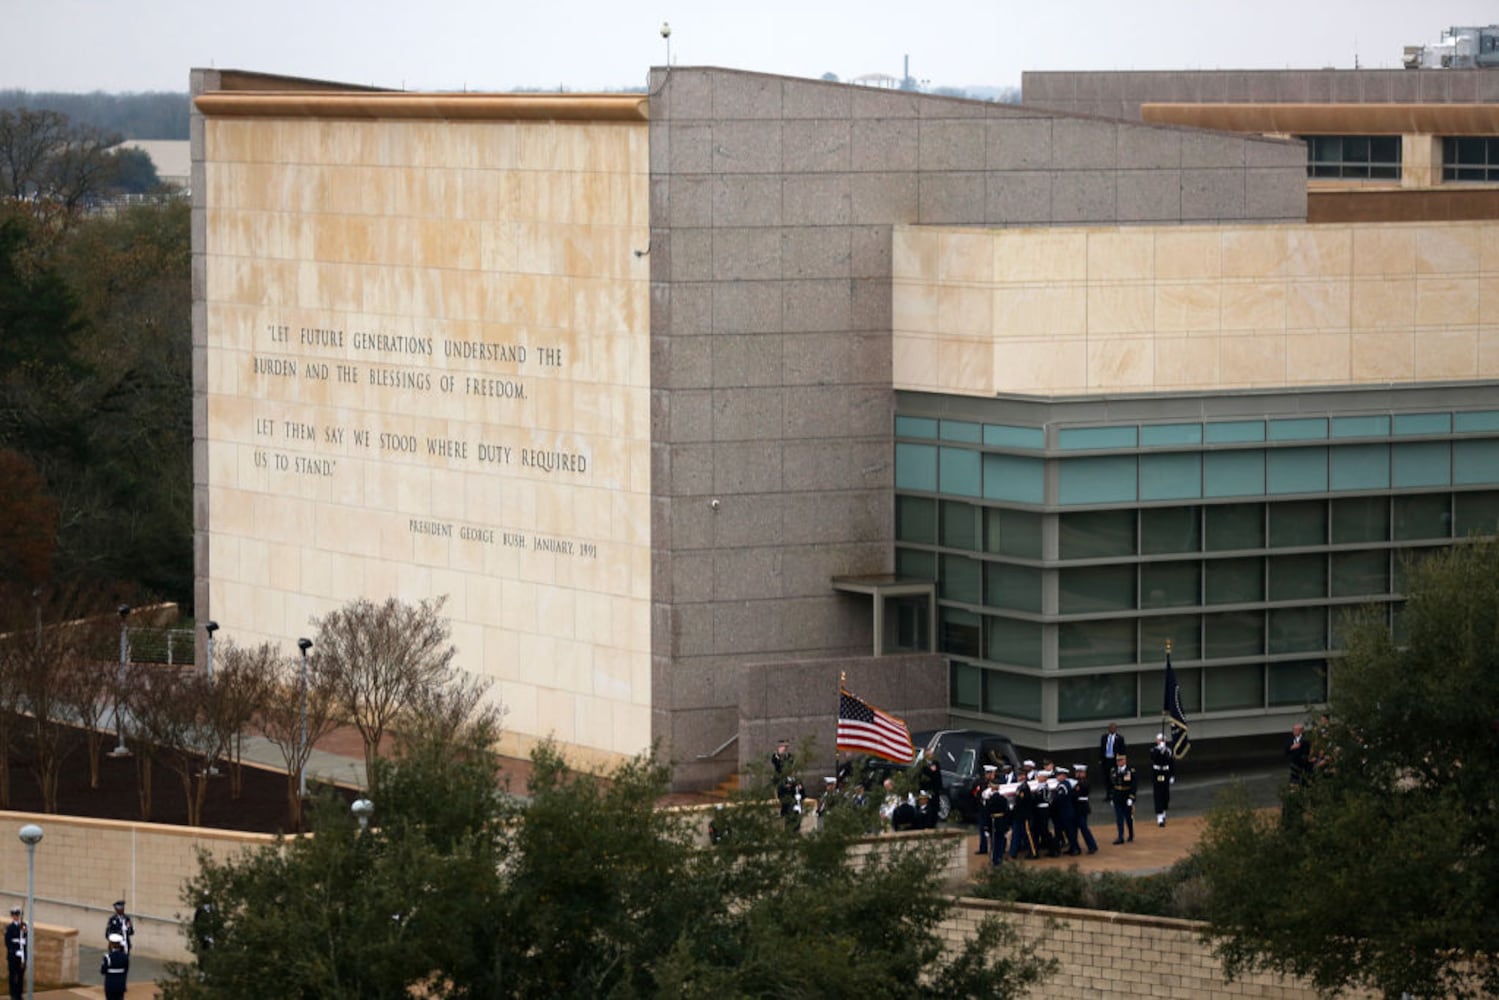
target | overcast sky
x=140, y=45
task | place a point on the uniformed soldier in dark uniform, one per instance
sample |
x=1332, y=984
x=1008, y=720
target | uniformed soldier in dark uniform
x=789, y=792
x=983, y=791
x=1041, y=831
x=1081, y=790
x=119, y=922
x=1021, y=813
x=1064, y=811
x=997, y=816
x=1122, y=792
x=781, y=759
x=17, y=951
x=113, y=966
x=1163, y=773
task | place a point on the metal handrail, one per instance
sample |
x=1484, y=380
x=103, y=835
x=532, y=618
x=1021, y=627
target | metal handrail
x=721, y=748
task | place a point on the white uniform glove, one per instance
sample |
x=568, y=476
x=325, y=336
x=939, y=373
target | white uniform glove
x=1130, y=803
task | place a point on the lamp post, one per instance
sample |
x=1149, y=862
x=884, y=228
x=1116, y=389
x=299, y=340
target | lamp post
x=31, y=835
x=120, y=750
x=362, y=808
x=304, y=645
x=210, y=627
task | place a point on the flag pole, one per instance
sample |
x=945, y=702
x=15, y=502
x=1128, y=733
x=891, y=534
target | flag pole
x=1165, y=715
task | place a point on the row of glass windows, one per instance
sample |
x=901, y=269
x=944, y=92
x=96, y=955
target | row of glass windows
x=1233, y=687
x=1111, y=642
x=1361, y=157
x=1156, y=531
x=1147, y=478
x=1213, y=432
x=1378, y=157
x=1470, y=158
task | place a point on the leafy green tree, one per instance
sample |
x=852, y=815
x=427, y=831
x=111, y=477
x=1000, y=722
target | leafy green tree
x=1382, y=871
x=585, y=888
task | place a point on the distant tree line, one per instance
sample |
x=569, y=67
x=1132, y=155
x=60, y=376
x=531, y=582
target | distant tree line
x=156, y=115
x=95, y=373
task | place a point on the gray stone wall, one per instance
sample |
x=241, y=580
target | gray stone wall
x=1120, y=94
x=771, y=406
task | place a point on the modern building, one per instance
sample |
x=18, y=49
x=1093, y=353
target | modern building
x=694, y=401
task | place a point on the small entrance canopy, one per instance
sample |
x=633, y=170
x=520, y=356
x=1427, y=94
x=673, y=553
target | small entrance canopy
x=905, y=610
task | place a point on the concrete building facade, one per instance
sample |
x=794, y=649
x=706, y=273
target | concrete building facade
x=843, y=374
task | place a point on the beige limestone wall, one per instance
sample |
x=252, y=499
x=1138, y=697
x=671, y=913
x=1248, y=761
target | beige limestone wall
x=1103, y=955
x=1065, y=311
x=84, y=865
x=427, y=371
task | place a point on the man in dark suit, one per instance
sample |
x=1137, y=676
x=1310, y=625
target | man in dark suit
x=1110, y=746
x=1299, y=754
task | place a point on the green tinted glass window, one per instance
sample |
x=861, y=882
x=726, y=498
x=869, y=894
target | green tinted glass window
x=1014, y=477
x=1012, y=694
x=1011, y=586
x=1095, y=644
x=1171, y=476
x=1353, y=427
x=1103, y=696
x=1298, y=578
x=1235, y=526
x=967, y=684
x=1234, y=431
x=958, y=632
x=915, y=467
x=1421, y=463
x=1184, y=631
x=1015, y=533
x=915, y=563
x=960, y=579
x=960, y=525
x=1234, y=633
x=916, y=520
x=960, y=430
x=1170, y=584
x=1233, y=473
x=1009, y=436
x=1299, y=682
x=1097, y=588
x=1422, y=516
x=917, y=427
x=1097, y=534
x=1355, y=574
x=1360, y=519
x=1423, y=423
x=1297, y=470
x=958, y=472
x=1233, y=581
x=1165, y=435
x=1475, y=513
x=1298, y=429
x=1014, y=641
x=1102, y=479
x=1240, y=686
x=1297, y=524
x=1360, y=467
x=1476, y=420
x=1084, y=438
x=1170, y=529
x=1475, y=463
x=1189, y=679
x=1298, y=630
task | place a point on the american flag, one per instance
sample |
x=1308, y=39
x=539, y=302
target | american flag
x=863, y=728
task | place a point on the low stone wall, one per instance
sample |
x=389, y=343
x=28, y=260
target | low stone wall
x=1102, y=954
x=84, y=865
x=55, y=954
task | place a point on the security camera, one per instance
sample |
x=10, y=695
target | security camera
x=713, y=504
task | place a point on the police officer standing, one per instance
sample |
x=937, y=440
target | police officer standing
x=119, y=922
x=1122, y=791
x=1163, y=771
x=17, y=951
x=114, y=965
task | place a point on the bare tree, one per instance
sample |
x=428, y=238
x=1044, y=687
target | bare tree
x=283, y=710
x=452, y=713
x=15, y=650
x=182, y=727
x=59, y=655
x=49, y=161
x=384, y=660
x=240, y=687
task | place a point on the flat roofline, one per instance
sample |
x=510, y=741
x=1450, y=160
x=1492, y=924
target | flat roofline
x=1328, y=119
x=448, y=107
